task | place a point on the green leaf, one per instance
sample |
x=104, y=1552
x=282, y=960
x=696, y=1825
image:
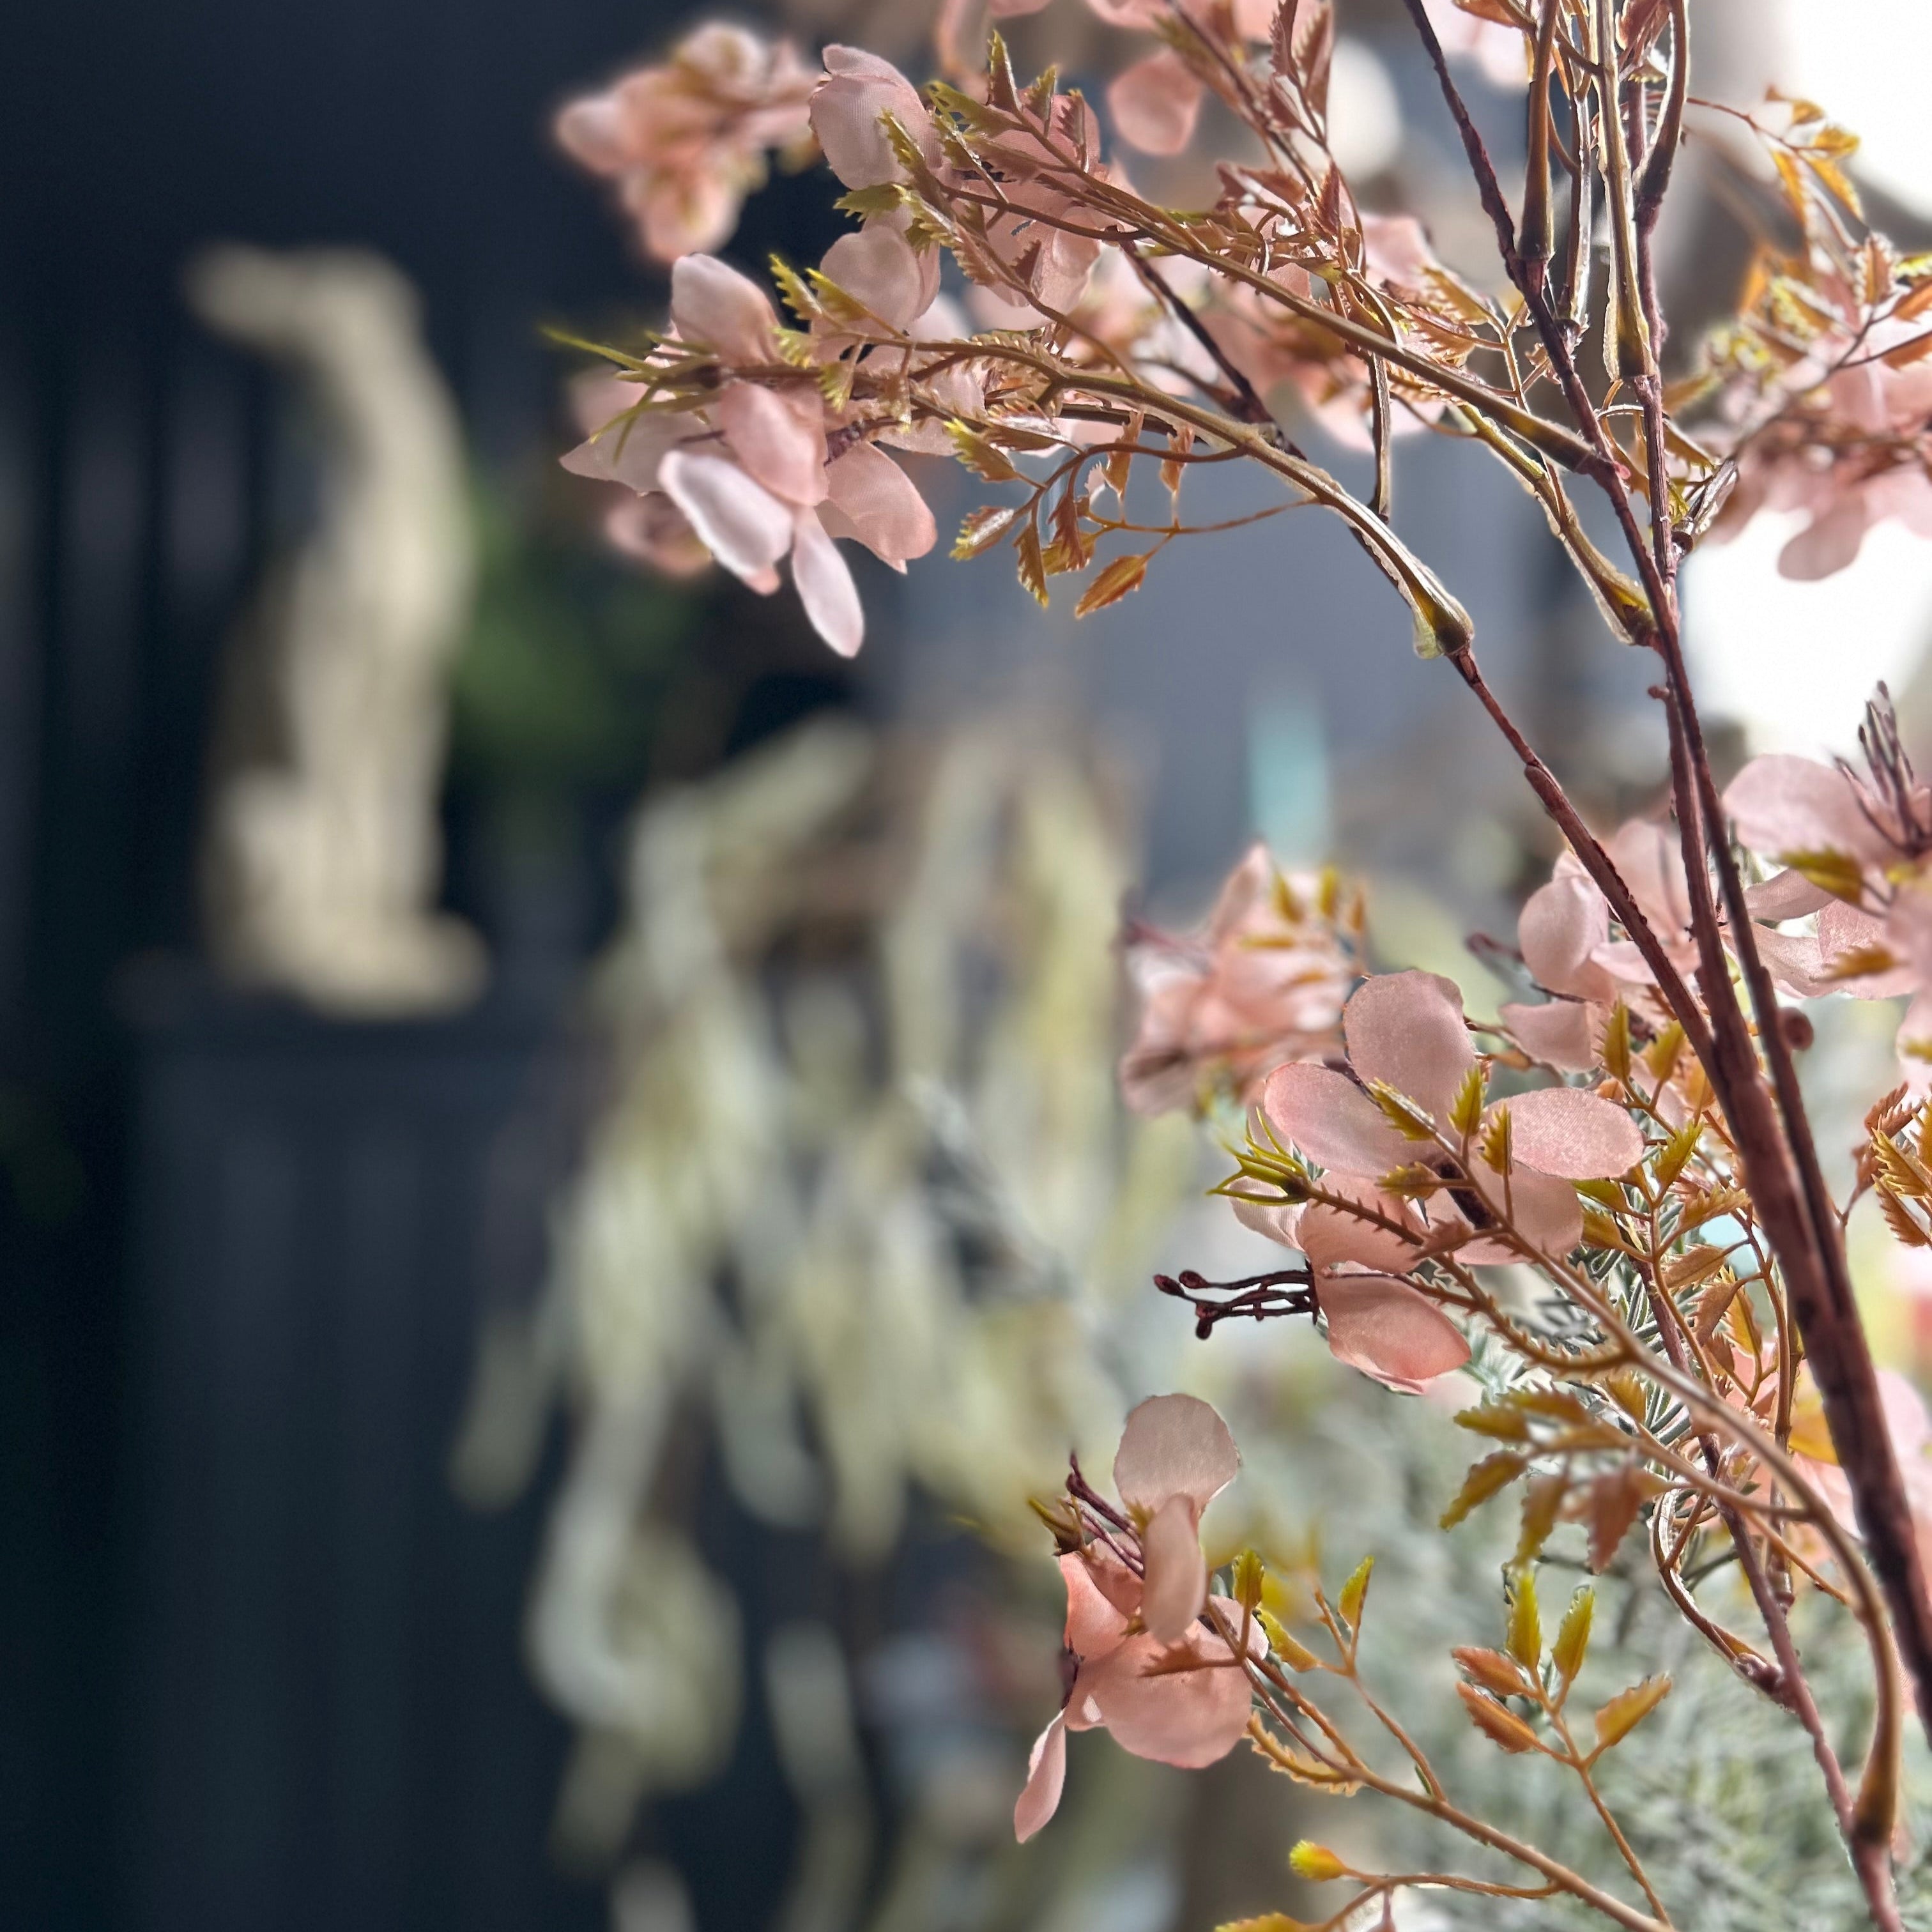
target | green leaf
x=1628, y=1708
x=1354, y=1593
x=1525, y=1622
x=1465, y=1112
x=1573, y=1635
x=987, y=462
x=1487, y=1478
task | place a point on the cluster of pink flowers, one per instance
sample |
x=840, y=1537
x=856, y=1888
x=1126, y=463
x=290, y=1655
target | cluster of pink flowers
x=1260, y=982
x=1407, y=1036
x=765, y=471
x=1859, y=848
x=1851, y=449
x=686, y=142
x=1143, y=1663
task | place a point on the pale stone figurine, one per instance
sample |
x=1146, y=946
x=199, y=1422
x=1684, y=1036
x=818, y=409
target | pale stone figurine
x=322, y=855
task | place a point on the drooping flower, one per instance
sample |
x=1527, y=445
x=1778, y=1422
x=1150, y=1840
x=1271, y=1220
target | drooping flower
x=686, y=142
x=1145, y=1666
x=1260, y=982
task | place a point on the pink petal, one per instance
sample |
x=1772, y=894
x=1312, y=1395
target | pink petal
x=846, y=109
x=1046, y=1775
x=1389, y=1331
x=743, y=525
x=776, y=443
x=596, y=132
x=1331, y=1120
x=1543, y=1207
x=1008, y=10
x=879, y=267
x=1406, y=1029
x=712, y=304
x=1843, y=929
x=888, y=515
x=825, y=586
x=1561, y=926
x=1906, y=1421
x=1101, y=1594
x=654, y=530
x=1830, y=542
x=1328, y=1236
x=1156, y=103
x=1560, y=1034
x=1190, y=1717
x=1128, y=13
x=1174, y=1445
x=1176, y=1581
x=1783, y=804
x=1279, y=1221
x=1650, y=862
x=628, y=453
x=1563, y=1130
x=1796, y=962
x=1787, y=896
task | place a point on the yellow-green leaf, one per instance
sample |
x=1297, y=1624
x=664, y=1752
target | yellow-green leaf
x=1354, y=1592
x=1616, y=1043
x=1677, y=1152
x=1525, y=1622
x=1466, y=1114
x=1315, y=1863
x=1542, y=1503
x=1486, y=1479
x=1831, y=871
x=984, y=460
x=1297, y=1656
x=1401, y=1112
x=1573, y=1635
x=983, y=528
x=1628, y=1708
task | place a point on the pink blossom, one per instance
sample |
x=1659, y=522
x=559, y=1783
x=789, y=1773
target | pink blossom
x=1859, y=845
x=1849, y=446
x=686, y=142
x=1145, y=1668
x=1405, y=1033
x=766, y=472
x=1469, y=34
x=1261, y=982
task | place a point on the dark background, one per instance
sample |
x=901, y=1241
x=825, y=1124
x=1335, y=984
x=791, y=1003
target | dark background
x=256, y=1666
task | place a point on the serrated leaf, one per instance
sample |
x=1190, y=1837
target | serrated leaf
x=1573, y=1635
x=1498, y=1141
x=1315, y=1863
x=1402, y=1113
x=1117, y=580
x=1030, y=564
x=883, y=198
x=982, y=529
x=1628, y=1708
x=1689, y=1269
x=1489, y=1477
x=1525, y=1622
x=1465, y=1112
x=1494, y=1671
x=1542, y=1503
x=1624, y=1387
x=1282, y=1641
x=1660, y=1055
x=1600, y=1230
x=1493, y=1419
x=1676, y=1153
x=1502, y=1728
x=1355, y=1592
x=984, y=459
x=1614, y=1501
x=1614, y=1049
x=1269, y=1922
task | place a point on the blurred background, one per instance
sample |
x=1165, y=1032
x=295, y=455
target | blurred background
x=559, y=1168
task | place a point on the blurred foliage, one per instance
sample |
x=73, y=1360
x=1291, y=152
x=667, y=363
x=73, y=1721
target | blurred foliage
x=563, y=675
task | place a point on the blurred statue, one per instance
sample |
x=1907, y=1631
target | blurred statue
x=321, y=857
